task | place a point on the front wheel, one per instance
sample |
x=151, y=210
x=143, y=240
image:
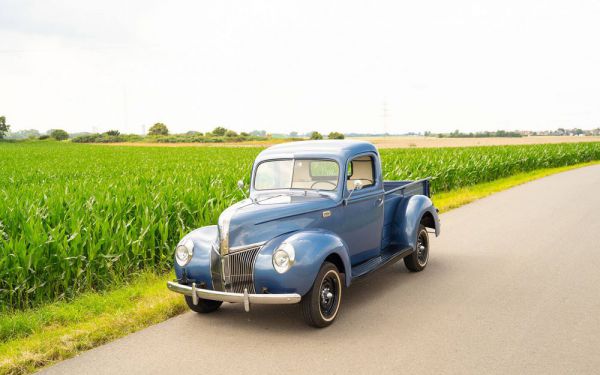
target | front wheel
x=417, y=261
x=321, y=304
x=204, y=306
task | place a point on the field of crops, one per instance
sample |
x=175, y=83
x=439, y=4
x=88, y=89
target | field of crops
x=75, y=218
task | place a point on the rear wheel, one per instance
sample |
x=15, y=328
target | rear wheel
x=321, y=304
x=204, y=306
x=417, y=261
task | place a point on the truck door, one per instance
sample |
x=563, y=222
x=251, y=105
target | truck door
x=363, y=215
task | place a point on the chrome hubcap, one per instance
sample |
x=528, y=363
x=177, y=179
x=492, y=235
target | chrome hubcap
x=326, y=295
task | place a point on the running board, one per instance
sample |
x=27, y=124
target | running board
x=387, y=257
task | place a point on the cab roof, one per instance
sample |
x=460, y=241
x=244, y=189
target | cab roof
x=334, y=149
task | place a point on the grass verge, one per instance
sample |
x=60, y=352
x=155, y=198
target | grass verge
x=36, y=338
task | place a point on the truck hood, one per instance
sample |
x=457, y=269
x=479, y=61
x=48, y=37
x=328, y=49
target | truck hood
x=248, y=222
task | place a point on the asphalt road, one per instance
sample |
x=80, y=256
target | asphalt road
x=513, y=286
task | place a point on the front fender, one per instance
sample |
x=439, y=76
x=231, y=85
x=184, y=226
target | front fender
x=312, y=248
x=198, y=269
x=408, y=217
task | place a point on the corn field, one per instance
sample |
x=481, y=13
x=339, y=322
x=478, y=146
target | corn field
x=76, y=218
x=457, y=167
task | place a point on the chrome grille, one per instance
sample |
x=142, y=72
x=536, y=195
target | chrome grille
x=239, y=270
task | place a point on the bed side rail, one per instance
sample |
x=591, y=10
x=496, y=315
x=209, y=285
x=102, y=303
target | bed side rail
x=418, y=187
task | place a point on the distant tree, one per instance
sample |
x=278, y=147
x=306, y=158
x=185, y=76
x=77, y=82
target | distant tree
x=193, y=132
x=43, y=136
x=4, y=127
x=24, y=134
x=159, y=129
x=113, y=132
x=293, y=134
x=316, y=135
x=59, y=134
x=230, y=133
x=244, y=134
x=335, y=135
x=258, y=133
x=219, y=131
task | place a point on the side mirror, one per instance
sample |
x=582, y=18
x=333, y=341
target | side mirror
x=240, y=185
x=357, y=186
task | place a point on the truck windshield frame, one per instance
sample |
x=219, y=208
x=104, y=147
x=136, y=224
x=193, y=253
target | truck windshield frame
x=297, y=174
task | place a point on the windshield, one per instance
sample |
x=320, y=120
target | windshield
x=305, y=174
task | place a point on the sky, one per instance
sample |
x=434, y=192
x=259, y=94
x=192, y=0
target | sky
x=281, y=66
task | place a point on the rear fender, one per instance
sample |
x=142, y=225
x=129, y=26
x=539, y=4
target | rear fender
x=312, y=248
x=409, y=214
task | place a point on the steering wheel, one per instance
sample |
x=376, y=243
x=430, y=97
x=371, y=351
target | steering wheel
x=324, y=182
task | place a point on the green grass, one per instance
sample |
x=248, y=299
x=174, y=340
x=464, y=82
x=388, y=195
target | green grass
x=34, y=338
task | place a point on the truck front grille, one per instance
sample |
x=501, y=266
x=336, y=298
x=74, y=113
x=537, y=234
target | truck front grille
x=239, y=270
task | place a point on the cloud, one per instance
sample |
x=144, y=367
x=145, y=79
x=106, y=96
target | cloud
x=284, y=65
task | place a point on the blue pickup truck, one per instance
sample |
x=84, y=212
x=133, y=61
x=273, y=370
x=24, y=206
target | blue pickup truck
x=318, y=217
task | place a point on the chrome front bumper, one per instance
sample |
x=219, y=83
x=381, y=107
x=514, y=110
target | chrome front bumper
x=245, y=298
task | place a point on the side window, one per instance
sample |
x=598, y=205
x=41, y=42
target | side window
x=361, y=169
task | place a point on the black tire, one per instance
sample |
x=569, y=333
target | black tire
x=318, y=307
x=204, y=306
x=417, y=261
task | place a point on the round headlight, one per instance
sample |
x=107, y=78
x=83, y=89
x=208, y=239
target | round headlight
x=283, y=257
x=184, y=252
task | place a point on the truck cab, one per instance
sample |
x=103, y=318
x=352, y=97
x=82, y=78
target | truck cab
x=318, y=216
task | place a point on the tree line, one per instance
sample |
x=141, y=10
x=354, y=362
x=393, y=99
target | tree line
x=159, y=132
x=58, y=134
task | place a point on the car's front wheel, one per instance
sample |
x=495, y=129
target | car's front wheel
x=321, y=304
x=204, y=306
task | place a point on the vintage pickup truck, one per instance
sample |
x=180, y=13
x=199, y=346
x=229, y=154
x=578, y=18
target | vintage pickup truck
x=318, y=217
